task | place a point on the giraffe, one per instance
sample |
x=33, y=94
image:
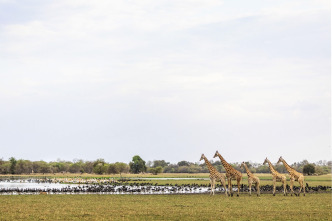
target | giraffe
x=276, y=177
x=214, y=175
x=294, y=176
x=251, y=179
x=231, y=173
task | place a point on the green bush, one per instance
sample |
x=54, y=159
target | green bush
x=309, y=169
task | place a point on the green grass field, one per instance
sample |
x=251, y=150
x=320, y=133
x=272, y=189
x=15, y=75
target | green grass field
x=314, y=206
x=165, y=207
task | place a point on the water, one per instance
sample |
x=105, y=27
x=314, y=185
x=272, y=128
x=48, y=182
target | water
x=13, y=187
x=34, y=185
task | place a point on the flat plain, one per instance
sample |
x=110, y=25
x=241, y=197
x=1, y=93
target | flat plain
x=313, y=206
x=165, y=207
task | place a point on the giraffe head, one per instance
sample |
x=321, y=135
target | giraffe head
x=242, y=165
x=265, y=161
x=280, y=159
x=202, y=157
x=216, y=154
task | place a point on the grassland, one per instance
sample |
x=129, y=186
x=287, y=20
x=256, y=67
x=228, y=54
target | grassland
x=314, y=206
x=165, y=207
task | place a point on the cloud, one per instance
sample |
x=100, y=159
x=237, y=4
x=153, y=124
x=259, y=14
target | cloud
x=171, y=75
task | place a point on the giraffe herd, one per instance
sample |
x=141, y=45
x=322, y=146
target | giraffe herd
x=233, y=174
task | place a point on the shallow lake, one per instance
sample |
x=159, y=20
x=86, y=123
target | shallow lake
x=10, y=187
x=31, y=185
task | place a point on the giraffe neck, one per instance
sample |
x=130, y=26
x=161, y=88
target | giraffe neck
x=223, y=161
x=271, y=167
x=209, y=165
x=247, y=170
x=288, y=168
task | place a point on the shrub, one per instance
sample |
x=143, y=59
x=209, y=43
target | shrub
x=156, y=170
x=309, y=169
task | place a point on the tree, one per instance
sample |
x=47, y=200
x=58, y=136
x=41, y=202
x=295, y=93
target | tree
x=44, y=167
x=137, y=165
x=160, y=163
x=183, y=163
x=13, y=163
x=113, y=168
x=156, y=170
x=172, y=168
x=60, y=166
x=99, y=166
x=75, y=168
x=118, y=167
x=183, y=169
x=5, y=167
x=122, y=167
x=263, y=169
x=319, y=170
x=280, y=168
x=88, y=167
x=309, y=169
x=23, y=166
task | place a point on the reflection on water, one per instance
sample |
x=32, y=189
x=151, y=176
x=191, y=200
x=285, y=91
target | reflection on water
x=24, y=185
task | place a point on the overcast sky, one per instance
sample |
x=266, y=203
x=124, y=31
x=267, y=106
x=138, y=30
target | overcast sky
x=167, y=80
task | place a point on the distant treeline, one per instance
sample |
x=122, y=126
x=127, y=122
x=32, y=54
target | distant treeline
x=138, y=165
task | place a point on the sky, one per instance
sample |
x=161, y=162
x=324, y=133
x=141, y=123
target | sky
x=165, y=80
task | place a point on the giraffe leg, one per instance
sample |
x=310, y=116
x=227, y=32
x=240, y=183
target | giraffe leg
x=258, y=190
x=230, y=186
x=211, y=182
x=291, y=186
x=274, y=187
x=212, y=187
x=303, y=187
x=238, y=187
x=224, y=185
x=300, y=189
x=250, y=183
x=285, y=190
